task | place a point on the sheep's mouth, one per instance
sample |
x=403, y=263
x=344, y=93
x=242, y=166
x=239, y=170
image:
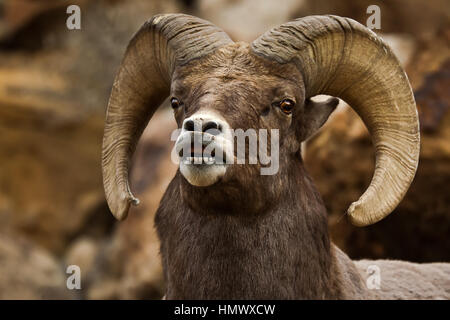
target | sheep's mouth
x=202, y=157
x=200, y=149
x=198, y=156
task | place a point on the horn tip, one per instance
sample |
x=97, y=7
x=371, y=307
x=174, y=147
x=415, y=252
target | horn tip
x=357, y=216
x=120, y=216
x=135, y=201
x=123, y=207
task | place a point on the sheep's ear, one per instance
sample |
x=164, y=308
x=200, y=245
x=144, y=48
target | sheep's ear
x=315, y=115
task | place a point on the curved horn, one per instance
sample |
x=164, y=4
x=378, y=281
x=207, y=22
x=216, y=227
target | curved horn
x=340, y=57
x=141, y=85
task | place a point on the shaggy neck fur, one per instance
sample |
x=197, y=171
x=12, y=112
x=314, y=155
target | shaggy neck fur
x=283, y=252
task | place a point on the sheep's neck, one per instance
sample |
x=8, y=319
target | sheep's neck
x=282, y=253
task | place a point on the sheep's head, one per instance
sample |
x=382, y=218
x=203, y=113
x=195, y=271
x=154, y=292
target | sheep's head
x=216, y=85
x=226, y=102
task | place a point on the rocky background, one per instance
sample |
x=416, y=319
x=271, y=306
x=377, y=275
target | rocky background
x=54, y=86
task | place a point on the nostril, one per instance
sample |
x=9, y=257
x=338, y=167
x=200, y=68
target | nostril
x=189, y=125
x=211, y=126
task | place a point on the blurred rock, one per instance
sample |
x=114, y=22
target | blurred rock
x=431, y=53
x=246, y=20
x=83, y=61
x=433, y=101
x=82, y=253
x=28, y=272
x=418, y=18
x=49, y=173
x=18, y=13
x=403, y=46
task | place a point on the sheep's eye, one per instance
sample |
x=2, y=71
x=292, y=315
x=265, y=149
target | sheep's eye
x=175, y=103
x=287, y=105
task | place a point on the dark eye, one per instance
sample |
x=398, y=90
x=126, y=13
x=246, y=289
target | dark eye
x=287, y=105
x=175, y=103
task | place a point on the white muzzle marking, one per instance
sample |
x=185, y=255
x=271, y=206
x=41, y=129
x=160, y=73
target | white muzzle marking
x=205, y=148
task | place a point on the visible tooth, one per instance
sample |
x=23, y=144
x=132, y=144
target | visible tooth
x=191, y=159
x=197, y=160
x=208, y=160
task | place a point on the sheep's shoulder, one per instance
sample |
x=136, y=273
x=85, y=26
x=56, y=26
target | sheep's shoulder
x=406, y=280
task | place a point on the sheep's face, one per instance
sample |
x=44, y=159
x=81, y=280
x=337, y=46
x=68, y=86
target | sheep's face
x=230, y=96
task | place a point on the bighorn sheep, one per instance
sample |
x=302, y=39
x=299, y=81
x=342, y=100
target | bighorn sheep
x=228, y=232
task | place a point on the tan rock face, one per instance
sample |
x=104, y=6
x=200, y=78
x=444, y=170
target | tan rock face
x=49, y=176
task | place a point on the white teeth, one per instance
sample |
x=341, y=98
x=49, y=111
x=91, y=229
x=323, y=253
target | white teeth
x=199, y=160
